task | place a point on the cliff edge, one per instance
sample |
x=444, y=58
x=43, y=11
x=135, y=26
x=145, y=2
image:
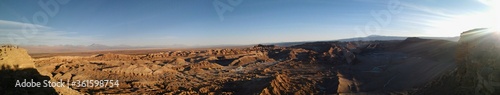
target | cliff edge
x=478, y=66
x=478, y=61
x=15, y=58
x=17, y=67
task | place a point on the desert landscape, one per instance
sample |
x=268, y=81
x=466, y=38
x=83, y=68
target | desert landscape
x=412, y=66
x=250, y=47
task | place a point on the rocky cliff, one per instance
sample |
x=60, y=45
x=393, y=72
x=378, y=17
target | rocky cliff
x=478, y=66
x=15, y=58
x=17, y=66
x=478, y=61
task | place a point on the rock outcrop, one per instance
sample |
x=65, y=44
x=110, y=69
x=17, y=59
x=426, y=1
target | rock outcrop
x=347, y=84
x=478, y=67
x=15, y=57
x=478, y=61
x=17, y=66
x=280, y=85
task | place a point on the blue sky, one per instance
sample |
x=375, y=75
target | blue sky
x=197, y=22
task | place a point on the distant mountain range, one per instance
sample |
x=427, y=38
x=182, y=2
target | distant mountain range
x=92, y=47
x=385, y=38
x=101, y=47
x=368, y=38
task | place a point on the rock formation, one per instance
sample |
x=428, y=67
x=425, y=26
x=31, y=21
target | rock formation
x=280, y=85
x=15, y=57
x=477, y=71
x=311, y=68
x=478, y=61
x=17, y=66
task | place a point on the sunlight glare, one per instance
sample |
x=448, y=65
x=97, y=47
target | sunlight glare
x=454, y=25
x=494, y=11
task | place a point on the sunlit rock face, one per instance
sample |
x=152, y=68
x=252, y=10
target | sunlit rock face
x=15, y=57
x=478, y=62
x=16, y=64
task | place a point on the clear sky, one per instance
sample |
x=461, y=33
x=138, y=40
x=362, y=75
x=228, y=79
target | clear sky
x=198, y=22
